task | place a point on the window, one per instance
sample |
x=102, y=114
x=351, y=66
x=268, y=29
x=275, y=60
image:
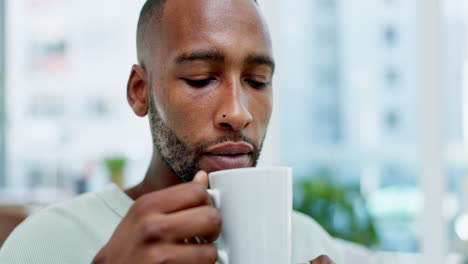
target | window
x=390, y=2
x=326, y=3
x=2, y=94
x=326, y=127
x=390, y=35
x=392, y=121
x=392, y=77
x=327, y=77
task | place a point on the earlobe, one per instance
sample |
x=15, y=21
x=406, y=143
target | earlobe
x=137, y=91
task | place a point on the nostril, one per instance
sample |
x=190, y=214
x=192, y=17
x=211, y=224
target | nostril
x=225, y=125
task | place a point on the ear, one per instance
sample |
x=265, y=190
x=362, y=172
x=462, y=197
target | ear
x=137, y=91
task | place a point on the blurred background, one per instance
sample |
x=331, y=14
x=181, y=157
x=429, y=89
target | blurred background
x=370, y=111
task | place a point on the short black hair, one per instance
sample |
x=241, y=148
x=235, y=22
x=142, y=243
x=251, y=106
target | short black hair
x=151, y=12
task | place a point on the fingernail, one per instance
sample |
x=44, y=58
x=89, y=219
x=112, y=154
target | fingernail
x=199, y=175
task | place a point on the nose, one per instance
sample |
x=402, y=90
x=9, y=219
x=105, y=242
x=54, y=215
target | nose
x=233, y=112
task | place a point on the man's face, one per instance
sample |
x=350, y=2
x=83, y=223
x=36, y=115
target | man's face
x=210, y=85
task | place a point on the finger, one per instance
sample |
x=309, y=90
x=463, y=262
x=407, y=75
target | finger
x=323, y=259
x=177, y=227
x=202, y=178
x=173, y=199
x=183, y=254
x=202, y=222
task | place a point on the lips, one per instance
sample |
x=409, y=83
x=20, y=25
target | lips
x=230, y=149
x=228, y=156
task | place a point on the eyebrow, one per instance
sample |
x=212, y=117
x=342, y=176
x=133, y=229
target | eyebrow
x=261, y=59
x=210, y=55
x=218, y=57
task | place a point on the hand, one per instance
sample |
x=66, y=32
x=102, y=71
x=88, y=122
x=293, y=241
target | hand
x=159, y=226
x=321, y=260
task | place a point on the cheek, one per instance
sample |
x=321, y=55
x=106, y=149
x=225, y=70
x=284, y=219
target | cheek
x=261, y=110
x=188, y=113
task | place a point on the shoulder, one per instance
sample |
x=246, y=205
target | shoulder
x=72, y=231
x=310, y=240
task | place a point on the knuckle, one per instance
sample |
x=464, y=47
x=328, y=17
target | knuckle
x=208, y=253
x=154, y=231
x=214, y=218
x=140, y=208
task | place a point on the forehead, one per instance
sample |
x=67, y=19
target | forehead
x=226, y=25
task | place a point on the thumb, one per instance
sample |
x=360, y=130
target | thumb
x=323, y=259
x=202, y=178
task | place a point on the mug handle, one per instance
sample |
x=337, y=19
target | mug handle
x=216, y=198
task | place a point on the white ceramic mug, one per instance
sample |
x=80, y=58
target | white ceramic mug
x=256, y=207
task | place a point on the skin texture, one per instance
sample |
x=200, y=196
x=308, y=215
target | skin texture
x=206, y=58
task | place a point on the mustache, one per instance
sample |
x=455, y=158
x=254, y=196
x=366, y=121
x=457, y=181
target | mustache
x=234, y=137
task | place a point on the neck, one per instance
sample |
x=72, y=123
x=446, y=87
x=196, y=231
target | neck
x=158, y=177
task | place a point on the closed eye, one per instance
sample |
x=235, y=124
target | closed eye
x=256, y=84
x=199, y=83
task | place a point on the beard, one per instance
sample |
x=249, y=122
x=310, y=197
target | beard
x=183, y=158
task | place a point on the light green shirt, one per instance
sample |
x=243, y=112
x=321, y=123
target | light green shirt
x=74, y=231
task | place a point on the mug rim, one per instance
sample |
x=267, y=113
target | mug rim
x=284, y=168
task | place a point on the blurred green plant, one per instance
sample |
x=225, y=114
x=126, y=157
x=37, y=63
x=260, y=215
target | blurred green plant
x=339, y=208
x=116, y=165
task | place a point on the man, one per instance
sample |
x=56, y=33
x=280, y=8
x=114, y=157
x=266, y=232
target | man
x=205, y=79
